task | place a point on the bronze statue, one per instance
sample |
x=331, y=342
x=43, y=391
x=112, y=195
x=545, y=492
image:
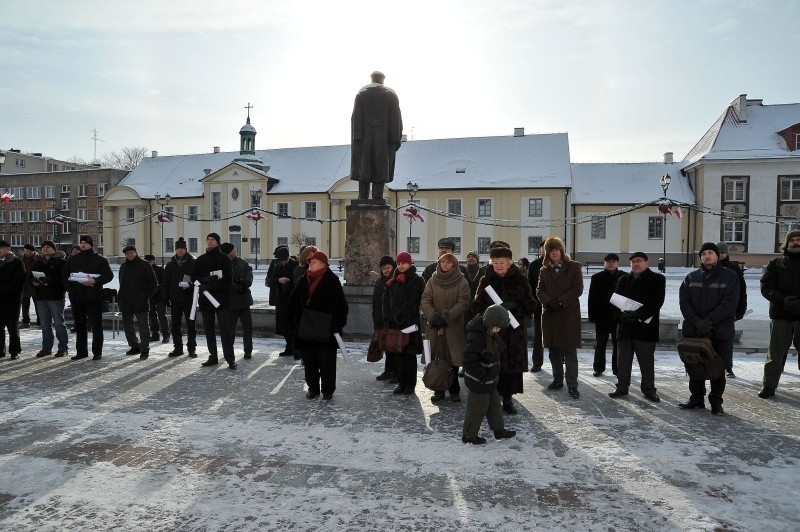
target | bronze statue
x=376, y=130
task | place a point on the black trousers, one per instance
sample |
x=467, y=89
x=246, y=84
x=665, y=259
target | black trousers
x=697, y=387
x=405, y=368
x=158, y=318
x=246, y=317
x=143, y=342
x=88, y=313
x=645, y=355
x=210, y=318
x=9, y=319
x=178, y=313
x=320, y=366
x=537, y=356
x=601, y=332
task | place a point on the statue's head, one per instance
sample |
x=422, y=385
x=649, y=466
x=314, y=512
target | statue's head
x=377, y=77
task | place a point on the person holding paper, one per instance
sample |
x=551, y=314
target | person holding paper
x=601, y=312
x=176, y=292
x=638, y=329
x=560, y=286
x=12, y=276
x=50, y=295
x=512, y=287
x=213, y=271
x=86, y=296
x=401, y=302
x=137, y=284
x=319, y=290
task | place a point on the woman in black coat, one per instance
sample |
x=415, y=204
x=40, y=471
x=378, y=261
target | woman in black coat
x=401, y=302
x=321, y=290
x=387, y=266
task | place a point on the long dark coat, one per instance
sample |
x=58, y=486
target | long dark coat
x=709, y=294
x=377, y=302
x=562, y=327
x=648, y=289
x=328, y=297
x=12, y=277
x=377, y=128
x=514, y=290
x=602, y=285
x=401, y=302
x=281, y=292
x=137, y=284
x=241, y=281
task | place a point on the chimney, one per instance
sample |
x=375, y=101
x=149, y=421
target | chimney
x=519, y=131
x=207, y=171
x=154, y=154
x=216, y=149
x=740, y=108
x=37, y=154
x=668, y=157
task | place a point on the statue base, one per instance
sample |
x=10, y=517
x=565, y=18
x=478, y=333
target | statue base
x=368, y=238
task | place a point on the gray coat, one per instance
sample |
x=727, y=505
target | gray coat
x=241, y=281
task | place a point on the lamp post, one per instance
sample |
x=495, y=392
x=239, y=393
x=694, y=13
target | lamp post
x=258, y=194
x=162, y=202
x=665, y=181
x=412, y=191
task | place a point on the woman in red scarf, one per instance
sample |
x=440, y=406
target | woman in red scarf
x=320, y=290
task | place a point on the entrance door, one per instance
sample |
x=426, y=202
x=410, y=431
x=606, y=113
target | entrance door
x=236, y=240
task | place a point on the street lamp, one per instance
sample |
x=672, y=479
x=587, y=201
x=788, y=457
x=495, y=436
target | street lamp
x=412, y=191
x=665, y=181
x=256, y=217
x=162, y=202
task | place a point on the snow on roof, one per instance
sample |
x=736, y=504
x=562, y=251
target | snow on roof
x=627, y=183
x=757, y=138
x=531, y=161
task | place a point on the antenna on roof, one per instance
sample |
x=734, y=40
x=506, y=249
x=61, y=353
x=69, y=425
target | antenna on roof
x=95, y=139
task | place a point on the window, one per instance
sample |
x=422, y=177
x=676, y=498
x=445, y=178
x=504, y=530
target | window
x=33, y=216
x=67, y=167
x=733, y=231
x=283, y=210
x=192, y=213
x=457, y=240
x=484, y=208
x=255, y=245
x=130, y=242
x=533, y=247
x=35, y=240
x=192, y=245
x=412, y=244
x=2, y=219
x=311, y=209
x=454, y=207
x=483, y=244
x=598, y=226
x=64, y=204
x=81, y=191
x=101, y=190
x=20, y=163
x=255, y=198
x=169, y=245
x=65, y=229
x=82, y=214
x=283, y=240
x=655, y=227
x=735, y=189
x=130, y=214
x=33, y=193
x=16, y=217
x=65, y=189
x=98, y=241
x=311, y=241
x=52, y=167
x=17, y=192
x=49, y=215
x=16, y=240
x=790, y=188
x=215, y=205
x=49, y=192
x=535, y=207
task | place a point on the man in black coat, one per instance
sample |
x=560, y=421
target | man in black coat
x=137, y=284
x=601, y=312
x=85, y=273
x=445, y=245
x=50, y=290
x=241, y=298
x=638, y=329
x=12, y=276
x=213, y=270
x=177, y=289
x=158, y=311
x=280, y=287
x=741, y=306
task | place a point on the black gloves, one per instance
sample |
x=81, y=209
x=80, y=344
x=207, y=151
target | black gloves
x=628, y=316
x=553, y=304
x=704, y=327
x=791, y=303
x=438, y=322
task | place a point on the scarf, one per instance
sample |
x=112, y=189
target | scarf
x=557, y=266
x=447, y=280
x=400, y=278
x=314, y=279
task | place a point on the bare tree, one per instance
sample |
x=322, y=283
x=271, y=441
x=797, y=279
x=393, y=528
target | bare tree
x=127, y=158
x=299, y=239
x=77, y=159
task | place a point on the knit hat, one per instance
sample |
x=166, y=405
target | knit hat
x=709, y=245
x=48, y=243
x=474, y=254
x=611, y=256
x=446, y=242
x=282, y=253
x=386, y=259
x=180, y=244
x=790, y=235
x=496, y=316
x=638, y=255
x=4, y=244
x=149, y=257
x=87, y=239
x=215, y=236
x=500, y=252
x=320, y=256
x=128, y=248
x=226, y=248
x=30, y=247
x=404, y=257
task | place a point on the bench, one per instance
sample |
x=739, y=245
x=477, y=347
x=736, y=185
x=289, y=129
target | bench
x=593, y=264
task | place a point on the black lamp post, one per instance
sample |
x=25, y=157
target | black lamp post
x=665, y=181
x=412, y=191
x=162, y=202
x=258, y=194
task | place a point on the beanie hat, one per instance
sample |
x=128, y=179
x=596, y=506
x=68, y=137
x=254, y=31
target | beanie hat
x=30, y=247
x=500, y=252
x=722, y=247
x=180, y=244
x=386, y=259
x=404, y=257
x=48, y=243
x=446, y=242
x=496, y=316
x=474, y=254
x=4, y=244
x=320, y=256
x=709, y=245
x=215, y=236
x=282, y=253
x=226, y=248
x=128, y=248
x=87, y=239
x=790, y=235
x=149, y=257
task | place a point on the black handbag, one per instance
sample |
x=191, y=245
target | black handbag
x=315, y=326
x=374, y=352
x=438, y=375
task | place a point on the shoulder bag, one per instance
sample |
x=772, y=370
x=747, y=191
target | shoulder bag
x=315, y=326
x=438, y=374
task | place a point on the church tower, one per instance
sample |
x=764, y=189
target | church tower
x=247, y=136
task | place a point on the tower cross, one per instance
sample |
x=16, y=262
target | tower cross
x=248, y=107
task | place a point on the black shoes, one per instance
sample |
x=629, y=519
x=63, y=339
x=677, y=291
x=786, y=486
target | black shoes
x=43, y=353
x=96, y=357
x=385, y=376
x=597, y=373
x=508, y=406
x=717, y=410
x=555, y=385
x=192, y=354
x=285, y=354
x=618, y=393
x=438, y=396
x=692, y=403
x=15, y=356
x=312, y=395
x=175, y=353
x=475, y=440
x=155, y=337
x=652, y=397
x=134, y=351
x=729, y=374
x=145, y=355
x=60, y=353
x=78, y=357
x=232, y=365
x=766, y=392
x=166, y=339
x=398, y=390
x=455, y=398
x=210, y=362
x=573, y=392
x=504, y=433
x=536, y=369
x=248, y=356
x=327, y=396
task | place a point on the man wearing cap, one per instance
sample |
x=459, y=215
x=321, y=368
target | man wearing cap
x=50, y=293
x=213, y=270
x=158, y=311
x=137, y=284
x=85, y=274
x=780, y=285
x=280, y=287
x=537, y=353
x=29, y=259
x=601, y=312
x=12, y=277
x=445, y=245
x=638, y=329
x=241, y=298
x=741, y=307
x=376, y=131
x=177, y=291
x=708, y=297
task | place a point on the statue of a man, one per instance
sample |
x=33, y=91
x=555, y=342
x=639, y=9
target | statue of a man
x=376, y=130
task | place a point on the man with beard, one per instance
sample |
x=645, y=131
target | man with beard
x=50, y=292
x=601, y=312
x=780, y=284
x=137, y=284
x=176, y=289
x=12, y=276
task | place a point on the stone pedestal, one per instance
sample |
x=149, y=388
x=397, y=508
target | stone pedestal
x=367, y=240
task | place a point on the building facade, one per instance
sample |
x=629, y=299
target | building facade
x=18, y=162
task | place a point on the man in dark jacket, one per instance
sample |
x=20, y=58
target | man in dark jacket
x=29, y=259
x=241, y=298
x=708, y=298
x=158, y=310
x=445, y=245
x=213, y=270
x=177, y=290
x=601, y=312
x=49, y=285
x=387, y=266
x=280, y=287
x=741, y=307
x=780, y=285
x=137, y=284
x=85, y=274
x=12, y=276
x=537, y=354
x=638, y=329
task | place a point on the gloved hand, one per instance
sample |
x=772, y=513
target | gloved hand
x=184, y=284
x=704, y=327
x=554, y=304
x=791, y=303
x=438, y=322
x=628, y=316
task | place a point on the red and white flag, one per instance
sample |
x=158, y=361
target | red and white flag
x=163, y=218
x=255, y=215
x=413, y=214
x=55, y=221
x=677, y=213
x=6, y=197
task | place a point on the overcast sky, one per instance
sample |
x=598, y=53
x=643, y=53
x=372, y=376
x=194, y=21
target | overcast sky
x=627, y=80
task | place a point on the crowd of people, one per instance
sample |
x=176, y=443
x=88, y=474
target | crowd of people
x=478, y=316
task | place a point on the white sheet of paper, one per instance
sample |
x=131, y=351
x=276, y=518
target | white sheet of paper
x=498, y=301
x=195, y=301
x=426, y=348
x=625, y=303
x=410, y=329
x=212, y=299
x=341, y=346
x=39, y=275
x=218, y=273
